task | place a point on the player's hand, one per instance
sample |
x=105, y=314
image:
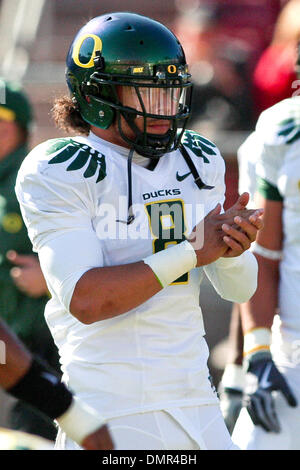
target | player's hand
x=240, y=239
x=207, y=238
x=27, y=274
x=239, y=236
x=259, y=401
x=98, y=440
x=231, y=400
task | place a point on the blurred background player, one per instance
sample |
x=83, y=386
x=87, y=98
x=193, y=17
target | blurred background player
x=274, y=79
x=277, y=251
x=274, y=146
x=23, y=291
x=32, y=380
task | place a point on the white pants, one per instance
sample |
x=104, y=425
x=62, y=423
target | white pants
x=250, y=437
x=190, y=428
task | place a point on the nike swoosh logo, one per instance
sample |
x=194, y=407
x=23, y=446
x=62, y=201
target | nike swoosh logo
x=182, y=177
x=264, y=382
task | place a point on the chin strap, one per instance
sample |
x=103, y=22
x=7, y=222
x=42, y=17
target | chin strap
x=130, y=214
x=190, y=163
x=193, y=169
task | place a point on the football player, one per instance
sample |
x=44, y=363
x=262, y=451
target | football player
x=273, y=359
x=126, y=218
x=28, y=378
x=270, y=167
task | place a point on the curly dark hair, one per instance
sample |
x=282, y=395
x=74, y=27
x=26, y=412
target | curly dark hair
x=67, y=117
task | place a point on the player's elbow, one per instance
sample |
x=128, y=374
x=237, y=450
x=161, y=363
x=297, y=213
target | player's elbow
x=84, y=306
x=88, y=309
x=80, y=308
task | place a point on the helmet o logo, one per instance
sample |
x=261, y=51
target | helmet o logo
x=172, y=69
x=77, y=47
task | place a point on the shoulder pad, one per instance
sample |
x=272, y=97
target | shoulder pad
x=199, y=145
x=78, y=155
x=280, y=124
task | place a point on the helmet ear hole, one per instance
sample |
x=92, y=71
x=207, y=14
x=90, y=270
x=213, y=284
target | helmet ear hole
x=105, y=114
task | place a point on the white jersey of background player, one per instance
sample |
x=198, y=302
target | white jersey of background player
x=274, y=150
x=247, y=161
x=73, y=193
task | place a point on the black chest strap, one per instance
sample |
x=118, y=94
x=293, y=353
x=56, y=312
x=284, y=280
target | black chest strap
x=193, y=169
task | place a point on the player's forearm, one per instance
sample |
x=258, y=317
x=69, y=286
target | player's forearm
x=259, y=311
x=106, y=292
x=235, y=279
x=17, y=359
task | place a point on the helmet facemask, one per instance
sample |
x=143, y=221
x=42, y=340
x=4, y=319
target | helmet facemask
x=141, y=102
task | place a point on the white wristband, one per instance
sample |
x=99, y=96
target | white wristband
x=258, y=339
x=173, y=262
x=265, y=252
x=79, y=421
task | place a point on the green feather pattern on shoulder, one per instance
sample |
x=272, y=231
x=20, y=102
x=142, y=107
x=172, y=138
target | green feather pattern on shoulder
x=200, y=146
x=81, y=154
x=289, y=129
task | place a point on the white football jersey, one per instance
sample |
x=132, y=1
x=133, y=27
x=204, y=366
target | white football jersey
x=276, y=147
x=247, y=156
x=73, y=195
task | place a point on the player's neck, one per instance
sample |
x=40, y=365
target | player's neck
x=109, y=135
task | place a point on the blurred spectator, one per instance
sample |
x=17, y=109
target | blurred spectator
x=223, y=44
x=23, y=292
x=274, y=77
